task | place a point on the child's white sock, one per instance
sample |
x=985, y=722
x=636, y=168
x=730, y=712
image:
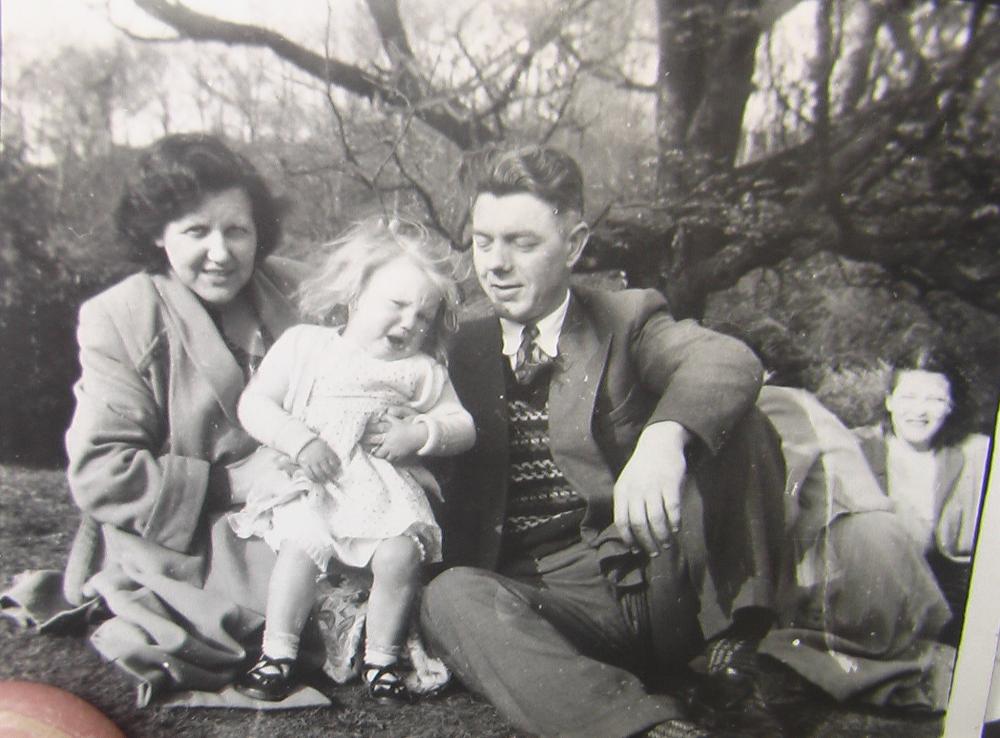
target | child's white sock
x=378, y=655
x=280, y=645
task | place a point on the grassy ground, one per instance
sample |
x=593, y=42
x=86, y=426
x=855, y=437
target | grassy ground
x=37, y=520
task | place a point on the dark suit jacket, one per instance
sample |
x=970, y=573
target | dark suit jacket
x=624, y=363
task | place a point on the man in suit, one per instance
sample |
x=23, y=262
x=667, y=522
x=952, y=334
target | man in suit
x=623, y=503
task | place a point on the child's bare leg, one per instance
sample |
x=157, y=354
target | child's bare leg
x=396, y=571
x=290, y=597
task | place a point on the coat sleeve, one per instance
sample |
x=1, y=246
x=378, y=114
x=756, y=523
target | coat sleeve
x=121, y=471
x=706, y=381
x=264, y=407
x=450, y=428
x=956, y=528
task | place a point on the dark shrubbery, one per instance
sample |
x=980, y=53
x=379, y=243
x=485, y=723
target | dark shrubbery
x=52, y=255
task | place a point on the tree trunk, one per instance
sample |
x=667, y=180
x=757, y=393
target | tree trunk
x=704, y=72
x=678, y=84
x=715, y=129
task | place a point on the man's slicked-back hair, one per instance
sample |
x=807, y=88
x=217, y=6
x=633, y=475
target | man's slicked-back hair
x=546, y=172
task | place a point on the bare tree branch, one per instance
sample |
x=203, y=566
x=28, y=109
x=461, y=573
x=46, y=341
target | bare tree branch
x=599, y=70
x=561, y=112
x=535, y=42
x=953, y=83
x=463, y=130
x=394, y=146
x=201, y=27
x=479, y=74
x=425, y=196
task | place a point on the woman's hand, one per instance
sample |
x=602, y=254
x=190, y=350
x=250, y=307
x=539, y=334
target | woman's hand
x=380, y=424
x=319, y=462
x=398, y=438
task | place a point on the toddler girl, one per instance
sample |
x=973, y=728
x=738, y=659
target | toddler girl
x=389, y=301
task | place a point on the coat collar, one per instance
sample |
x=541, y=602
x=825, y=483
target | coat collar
x=949, y=466
x=276, y=311
x=201, y=339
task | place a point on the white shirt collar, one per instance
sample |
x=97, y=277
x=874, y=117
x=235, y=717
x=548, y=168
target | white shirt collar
x=549, y=329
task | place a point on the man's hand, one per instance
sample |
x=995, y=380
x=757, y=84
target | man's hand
x=647, y=495
x=401, y=438
x=319, y=462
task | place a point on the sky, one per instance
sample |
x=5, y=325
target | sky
x=37, y=29
x=29, y=24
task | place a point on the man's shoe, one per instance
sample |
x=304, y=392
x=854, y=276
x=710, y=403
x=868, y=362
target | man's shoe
x=724, y=655
x=747, y=694
x=678, y=728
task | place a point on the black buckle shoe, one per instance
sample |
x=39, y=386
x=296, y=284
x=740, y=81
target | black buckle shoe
x=386, y=686
x=270, y=679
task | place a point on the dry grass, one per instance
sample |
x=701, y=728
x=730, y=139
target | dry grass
x=36, y=524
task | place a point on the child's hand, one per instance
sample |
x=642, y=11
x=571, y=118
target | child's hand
x=401, y=438
x=318, y=461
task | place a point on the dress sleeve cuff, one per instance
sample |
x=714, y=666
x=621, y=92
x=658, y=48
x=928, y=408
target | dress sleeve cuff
x=293, y=438
x=435, y=434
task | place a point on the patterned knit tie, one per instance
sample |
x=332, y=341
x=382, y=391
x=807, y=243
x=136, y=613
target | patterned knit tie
x=530, y=358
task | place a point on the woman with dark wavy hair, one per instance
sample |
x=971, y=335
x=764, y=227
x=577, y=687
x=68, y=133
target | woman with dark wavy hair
x=859, y=608
x=880, y=536
x=931, y=466
x=157, y=456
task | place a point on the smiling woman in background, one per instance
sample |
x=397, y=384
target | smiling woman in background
x=931, y=467
x=866, y=601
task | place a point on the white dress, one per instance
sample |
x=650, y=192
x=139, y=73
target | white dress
x=372, y=499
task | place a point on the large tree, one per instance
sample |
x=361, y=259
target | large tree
x=876, y=123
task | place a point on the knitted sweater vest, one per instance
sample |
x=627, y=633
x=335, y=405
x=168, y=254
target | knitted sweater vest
x=543, y=510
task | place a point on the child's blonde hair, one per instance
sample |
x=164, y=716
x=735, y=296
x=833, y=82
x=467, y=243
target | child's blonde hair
x=365, y=248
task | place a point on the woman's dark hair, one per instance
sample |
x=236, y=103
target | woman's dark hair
x=938, y=360
x=173, y=176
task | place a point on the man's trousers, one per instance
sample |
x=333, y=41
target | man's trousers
x=548, y=643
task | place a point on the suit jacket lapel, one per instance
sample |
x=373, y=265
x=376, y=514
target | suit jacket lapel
x=583, y=355
x=481, y=362
x=202, y=342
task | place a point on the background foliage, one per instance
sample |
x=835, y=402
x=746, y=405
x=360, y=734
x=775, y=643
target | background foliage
x=819, y=176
